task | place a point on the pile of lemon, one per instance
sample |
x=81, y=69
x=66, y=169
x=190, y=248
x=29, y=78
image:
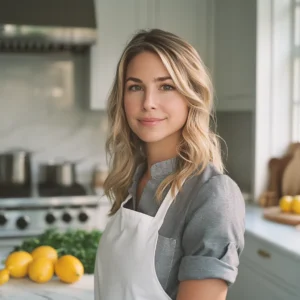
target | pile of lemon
x=41, y=265
x=290, y=204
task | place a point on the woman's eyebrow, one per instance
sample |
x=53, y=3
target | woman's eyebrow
x=163, y=78
x=134, y=79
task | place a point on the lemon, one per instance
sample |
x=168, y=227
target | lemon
x=69, y=269
x=17, y=263
x=296, y=205
x=45, y=251
x=4, y=276
x=285, y=203
x=41, y=269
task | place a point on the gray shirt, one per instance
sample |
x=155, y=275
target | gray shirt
x=202, y=235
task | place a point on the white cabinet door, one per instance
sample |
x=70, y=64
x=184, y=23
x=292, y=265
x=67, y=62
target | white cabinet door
x=235, y=59
x=192, y=20
x=117, y=21
x=251, y=285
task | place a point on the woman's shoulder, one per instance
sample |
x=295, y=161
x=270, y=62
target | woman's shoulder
x=213, y=189
x=211, y=178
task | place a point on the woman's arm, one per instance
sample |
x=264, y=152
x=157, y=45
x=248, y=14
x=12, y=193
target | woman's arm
x=212, y=241
x=206, y=289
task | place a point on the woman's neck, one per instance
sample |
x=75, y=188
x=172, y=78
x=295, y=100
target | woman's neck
x=160, y=151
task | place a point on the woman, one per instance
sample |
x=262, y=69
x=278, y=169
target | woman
x=177, y=223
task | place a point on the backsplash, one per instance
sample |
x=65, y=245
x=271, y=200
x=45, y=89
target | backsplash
x=44, y=104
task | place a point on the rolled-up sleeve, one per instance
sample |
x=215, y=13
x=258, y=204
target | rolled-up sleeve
x=213, y=237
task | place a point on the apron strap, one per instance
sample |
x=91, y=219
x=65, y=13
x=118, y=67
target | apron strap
x=163, y=209
x=126, y=200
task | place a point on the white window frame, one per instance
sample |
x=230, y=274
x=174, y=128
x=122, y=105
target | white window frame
x=296, y=70
x=273, y=105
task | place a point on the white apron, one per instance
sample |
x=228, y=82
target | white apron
x=125, y=261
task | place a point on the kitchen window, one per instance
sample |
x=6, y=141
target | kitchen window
x=296, y=71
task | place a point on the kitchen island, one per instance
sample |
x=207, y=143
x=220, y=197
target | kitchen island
x=22, y=289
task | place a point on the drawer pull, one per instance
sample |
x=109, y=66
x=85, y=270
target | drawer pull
x=263, y=253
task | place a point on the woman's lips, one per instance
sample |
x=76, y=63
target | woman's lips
x=150, y=121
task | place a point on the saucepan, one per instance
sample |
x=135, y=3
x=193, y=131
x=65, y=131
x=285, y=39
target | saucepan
x=58, y=173
x=15, y=167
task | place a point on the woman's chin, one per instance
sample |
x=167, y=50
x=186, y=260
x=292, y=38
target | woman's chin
x=149, y=139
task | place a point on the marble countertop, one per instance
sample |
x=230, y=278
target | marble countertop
x=20, y=289
x=285, y=238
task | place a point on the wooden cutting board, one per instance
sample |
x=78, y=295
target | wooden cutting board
x=276, y=171
x=274, y=214
x=291, y=176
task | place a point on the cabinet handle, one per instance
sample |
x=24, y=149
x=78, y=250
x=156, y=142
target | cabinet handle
x=263, y=253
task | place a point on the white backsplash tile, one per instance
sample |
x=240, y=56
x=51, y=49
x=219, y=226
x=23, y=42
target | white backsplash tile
x=44, y=107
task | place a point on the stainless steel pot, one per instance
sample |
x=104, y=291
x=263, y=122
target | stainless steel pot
x=66, y=173
x=63, y=174
x=47, y=173
x=15, y=167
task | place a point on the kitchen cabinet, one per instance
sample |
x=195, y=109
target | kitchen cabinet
x=265, y=273
x=191, y=20
x=252, y=285
x=118, y=20
x=235, y=55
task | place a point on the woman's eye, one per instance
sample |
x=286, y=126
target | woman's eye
x=134, y=88
x=167, y=87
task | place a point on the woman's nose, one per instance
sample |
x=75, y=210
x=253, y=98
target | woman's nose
x=149, y=100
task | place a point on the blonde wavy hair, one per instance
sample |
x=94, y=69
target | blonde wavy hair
x=199, y=145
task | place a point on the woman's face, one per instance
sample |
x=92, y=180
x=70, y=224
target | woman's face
x=155, y=110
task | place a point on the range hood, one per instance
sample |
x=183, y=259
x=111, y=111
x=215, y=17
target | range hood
x=47, y=25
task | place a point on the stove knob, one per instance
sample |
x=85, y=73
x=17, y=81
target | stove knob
x=3, y=219
x=50, y=218
x=83, y=217
x=23, y=222
x=66, y=217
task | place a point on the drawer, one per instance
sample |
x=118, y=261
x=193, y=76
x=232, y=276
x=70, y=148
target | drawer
x=269, y=259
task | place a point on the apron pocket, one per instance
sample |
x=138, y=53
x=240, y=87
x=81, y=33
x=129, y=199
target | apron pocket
x=164, y=255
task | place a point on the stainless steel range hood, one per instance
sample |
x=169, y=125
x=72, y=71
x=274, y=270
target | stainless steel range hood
x=47, y=25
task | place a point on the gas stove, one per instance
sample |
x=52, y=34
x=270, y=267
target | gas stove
x=29, y=217
x=42, y=190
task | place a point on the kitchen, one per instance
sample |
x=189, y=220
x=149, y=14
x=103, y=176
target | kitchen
x=54, y=107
